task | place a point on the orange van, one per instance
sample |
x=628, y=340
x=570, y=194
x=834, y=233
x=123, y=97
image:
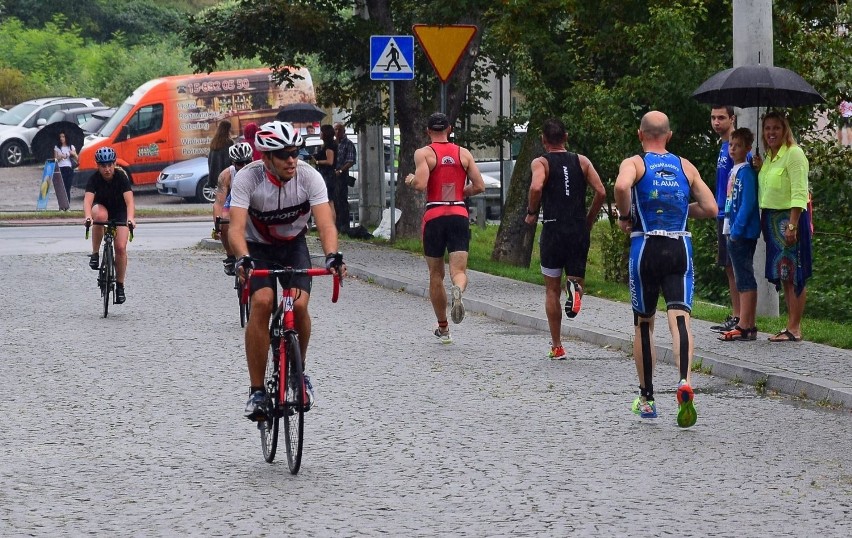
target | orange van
x=172, y=119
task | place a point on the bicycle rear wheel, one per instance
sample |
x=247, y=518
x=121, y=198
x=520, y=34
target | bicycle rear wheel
x=108, y=282
x=295, y=401
x=269, y=426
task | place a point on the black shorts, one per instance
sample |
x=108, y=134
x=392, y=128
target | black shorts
x=722, y=258
x=449, y=233
x=564, y=248
x=661, y=264
x=292, y=254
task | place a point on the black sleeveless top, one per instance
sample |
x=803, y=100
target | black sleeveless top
x=564, y=193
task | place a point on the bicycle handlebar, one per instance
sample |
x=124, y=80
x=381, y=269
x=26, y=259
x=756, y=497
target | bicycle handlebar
x=291, y=271
x=218, y=221
x=109, y=223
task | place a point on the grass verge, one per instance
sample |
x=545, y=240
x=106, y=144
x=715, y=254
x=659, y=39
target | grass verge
x=822, y=331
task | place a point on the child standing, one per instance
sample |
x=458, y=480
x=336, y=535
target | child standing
x=742, y=227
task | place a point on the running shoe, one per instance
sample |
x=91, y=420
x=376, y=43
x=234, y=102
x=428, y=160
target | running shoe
x=728, y=325
x=94, y=261
x=256, y=406
x=644, y=408
x=573, y=301
x=443, y=336
x=119, y=294
x=557, y=353
x=457, y=310
x=309, y=392
x=686, y=415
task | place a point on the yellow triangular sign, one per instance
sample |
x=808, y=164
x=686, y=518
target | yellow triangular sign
x=444, y=45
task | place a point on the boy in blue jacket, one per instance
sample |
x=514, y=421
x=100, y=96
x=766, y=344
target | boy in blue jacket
x=742, y=227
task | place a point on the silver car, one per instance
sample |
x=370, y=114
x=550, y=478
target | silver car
x=187, y=179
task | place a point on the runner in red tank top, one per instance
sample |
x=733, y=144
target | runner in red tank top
x=443, y=169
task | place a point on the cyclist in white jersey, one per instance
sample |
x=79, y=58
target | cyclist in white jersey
x=271, y=202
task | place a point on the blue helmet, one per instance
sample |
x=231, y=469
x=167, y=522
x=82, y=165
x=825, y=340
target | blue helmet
x=105, y=155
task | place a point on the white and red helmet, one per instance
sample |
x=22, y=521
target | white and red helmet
x=277, y=135
x=240, y=153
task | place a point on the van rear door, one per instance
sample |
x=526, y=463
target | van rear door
x=143, y=143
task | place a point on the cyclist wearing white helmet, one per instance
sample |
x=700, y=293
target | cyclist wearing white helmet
x=271, y=202
x=109, y=197
x=240, y=155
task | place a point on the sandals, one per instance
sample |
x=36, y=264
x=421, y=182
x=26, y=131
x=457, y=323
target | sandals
x=784, y=336
x=739, y=334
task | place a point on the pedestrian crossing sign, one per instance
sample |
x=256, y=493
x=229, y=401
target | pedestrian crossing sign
x=391, y=57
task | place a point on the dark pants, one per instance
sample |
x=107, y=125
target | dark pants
x=341, y=203
x=67, y=179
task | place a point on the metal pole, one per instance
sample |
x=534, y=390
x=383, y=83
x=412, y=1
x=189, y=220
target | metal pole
x=752, y=45
x=444, y=97
x=392, y=170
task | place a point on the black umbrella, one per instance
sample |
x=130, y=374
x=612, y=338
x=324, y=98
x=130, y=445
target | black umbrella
x=300, y=113
x=758, y=85
x=48, y=137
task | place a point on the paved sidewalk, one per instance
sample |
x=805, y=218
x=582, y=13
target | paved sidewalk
x=800, y=369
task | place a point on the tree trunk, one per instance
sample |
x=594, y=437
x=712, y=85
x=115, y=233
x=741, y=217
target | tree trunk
x=514, y=241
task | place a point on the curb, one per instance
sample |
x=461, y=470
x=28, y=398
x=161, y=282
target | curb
x=772, y=379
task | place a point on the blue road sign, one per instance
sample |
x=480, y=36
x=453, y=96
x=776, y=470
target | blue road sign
x=391, y=57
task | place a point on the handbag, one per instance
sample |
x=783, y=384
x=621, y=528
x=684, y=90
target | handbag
x=75, y=162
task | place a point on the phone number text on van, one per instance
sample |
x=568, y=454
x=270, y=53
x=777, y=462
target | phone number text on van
x=209, y=86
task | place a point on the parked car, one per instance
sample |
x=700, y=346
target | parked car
x=188, y=179
x=19, y=124
x=78, y=116
x=2, y=110
x=94, y=124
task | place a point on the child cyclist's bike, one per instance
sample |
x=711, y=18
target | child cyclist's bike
x=106, y=272
x=287, y=396
x=245, y=307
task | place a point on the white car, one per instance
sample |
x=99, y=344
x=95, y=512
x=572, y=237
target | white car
x=19, y=124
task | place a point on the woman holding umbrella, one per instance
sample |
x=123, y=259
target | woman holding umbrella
x=785, y=221
x=63, y=152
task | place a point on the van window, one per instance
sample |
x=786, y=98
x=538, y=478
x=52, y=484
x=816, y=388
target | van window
x=116, y=119
x=146, y=120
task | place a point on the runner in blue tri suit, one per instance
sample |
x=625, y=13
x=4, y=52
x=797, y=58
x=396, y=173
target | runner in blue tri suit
x=652, y=195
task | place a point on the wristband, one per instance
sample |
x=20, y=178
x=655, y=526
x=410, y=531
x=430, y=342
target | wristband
x=531, y=213
x=624, y=218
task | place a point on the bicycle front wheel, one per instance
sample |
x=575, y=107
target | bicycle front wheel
x=244, y=307
x=296, y=400
x=269, y=426
x=108, y=282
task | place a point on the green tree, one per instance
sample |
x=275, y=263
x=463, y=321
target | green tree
x=13, y=86
x=288, y=33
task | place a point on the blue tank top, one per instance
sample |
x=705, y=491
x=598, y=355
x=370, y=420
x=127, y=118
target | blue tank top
x=661, y=196
x=723, y=169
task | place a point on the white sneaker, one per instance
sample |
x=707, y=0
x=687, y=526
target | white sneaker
x=444, y=337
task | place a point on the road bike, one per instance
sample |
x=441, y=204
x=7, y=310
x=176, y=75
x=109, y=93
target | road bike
x=106, y=272
x=284, y=380
x=245, y=307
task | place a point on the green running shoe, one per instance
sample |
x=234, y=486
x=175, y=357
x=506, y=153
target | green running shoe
x=686, y=414
x=644, y=408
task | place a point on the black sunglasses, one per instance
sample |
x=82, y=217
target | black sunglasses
x=283, y=154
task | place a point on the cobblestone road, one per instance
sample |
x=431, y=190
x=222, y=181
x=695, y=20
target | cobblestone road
x=132, y=425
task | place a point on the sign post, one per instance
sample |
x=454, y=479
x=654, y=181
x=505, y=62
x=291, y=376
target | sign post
x=444, y=46
x=392, y=58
